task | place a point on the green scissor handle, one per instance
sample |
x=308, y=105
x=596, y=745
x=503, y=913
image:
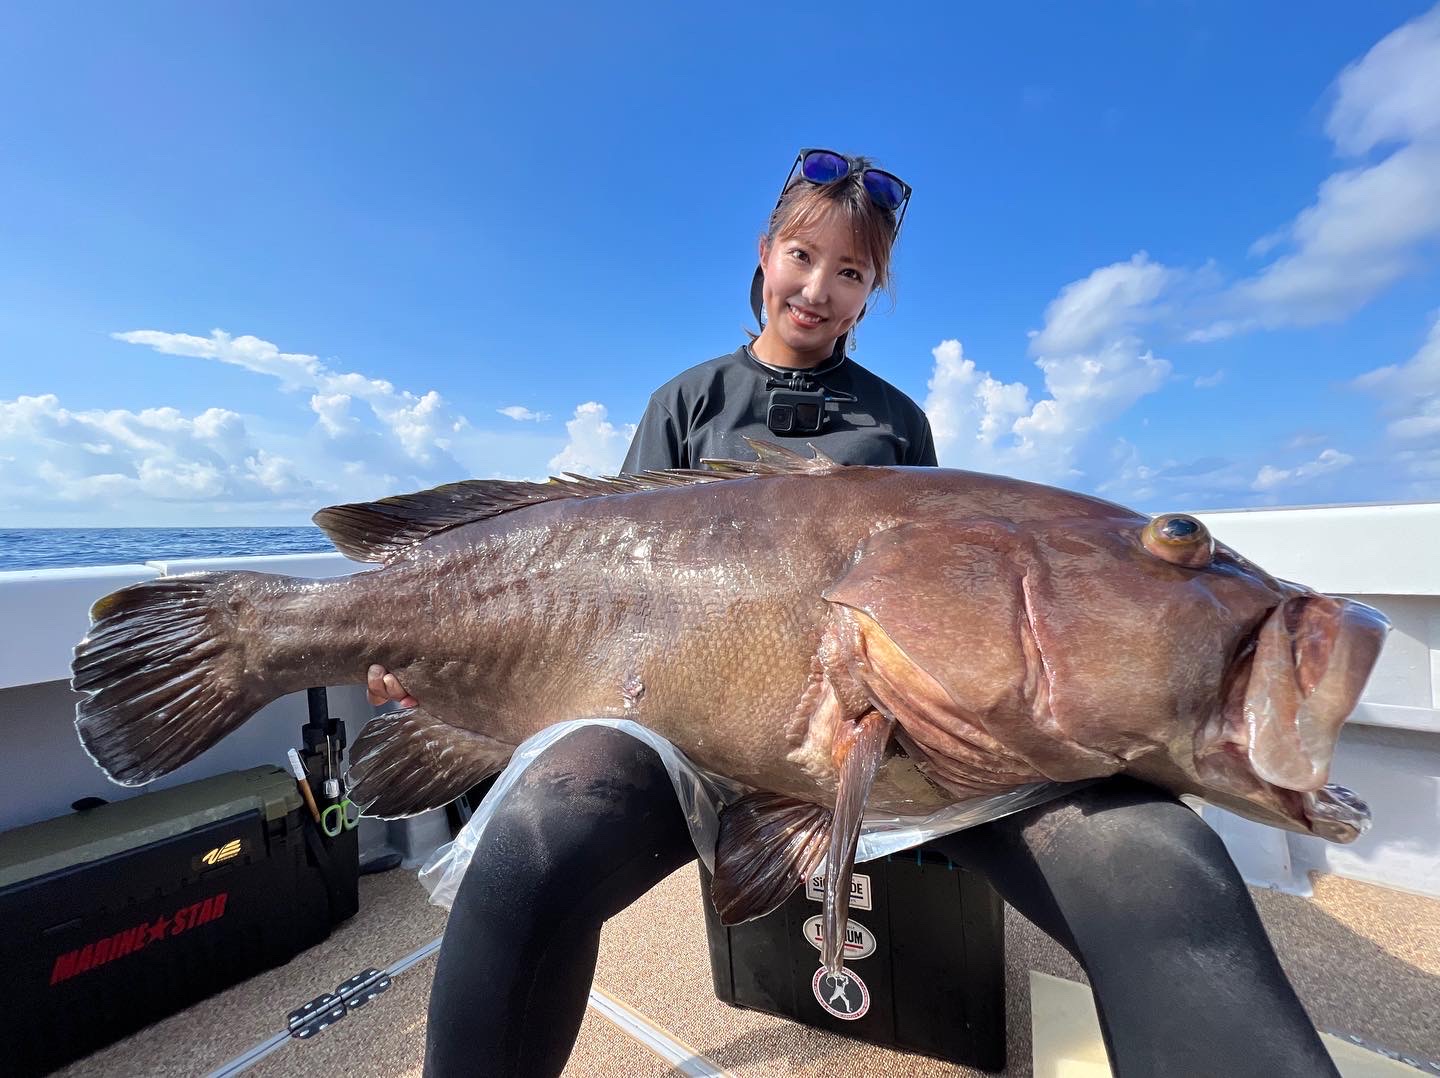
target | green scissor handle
x=337, y=817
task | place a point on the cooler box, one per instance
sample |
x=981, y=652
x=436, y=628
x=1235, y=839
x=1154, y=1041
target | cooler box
x=120, y=915
x=926, y=937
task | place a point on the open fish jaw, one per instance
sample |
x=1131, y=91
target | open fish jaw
x=1295, y=681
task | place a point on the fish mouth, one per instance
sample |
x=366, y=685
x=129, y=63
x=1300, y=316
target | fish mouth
x=1332, y=812
x=1335, y=813
x=1294, y=682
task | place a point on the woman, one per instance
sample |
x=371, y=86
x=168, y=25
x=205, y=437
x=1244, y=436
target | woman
x=1126, y=878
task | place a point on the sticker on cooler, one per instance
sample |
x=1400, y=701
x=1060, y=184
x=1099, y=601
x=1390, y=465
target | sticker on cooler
x=859, y=890
x=859, y=940
x=842, y=994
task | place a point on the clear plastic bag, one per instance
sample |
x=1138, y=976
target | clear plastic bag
x=703, y=795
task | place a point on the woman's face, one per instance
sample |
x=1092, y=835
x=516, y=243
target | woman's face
x=816, y=285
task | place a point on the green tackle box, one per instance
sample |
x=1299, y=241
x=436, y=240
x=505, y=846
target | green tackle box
x=120, y=915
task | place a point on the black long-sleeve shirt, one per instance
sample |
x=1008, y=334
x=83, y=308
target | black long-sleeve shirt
x=708, y=411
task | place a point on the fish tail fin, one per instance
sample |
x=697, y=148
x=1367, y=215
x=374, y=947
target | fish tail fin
x=405, y=762
x=161, y=677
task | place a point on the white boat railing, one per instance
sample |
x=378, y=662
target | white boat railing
x=1385, y=555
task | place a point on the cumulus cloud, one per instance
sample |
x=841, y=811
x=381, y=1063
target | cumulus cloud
x=522, y=414
x=1094, y=366
x=596, y=446
x=369, y=438
x=1097, y=308
x=420, y=424
x=1370, y=222
x=159, y=454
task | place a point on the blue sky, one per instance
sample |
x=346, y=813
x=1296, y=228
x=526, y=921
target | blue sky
x=257, y=259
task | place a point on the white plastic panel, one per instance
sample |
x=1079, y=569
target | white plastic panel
x=45, y=613
x=1364, y=549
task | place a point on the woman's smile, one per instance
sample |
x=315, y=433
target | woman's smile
x=805, y=319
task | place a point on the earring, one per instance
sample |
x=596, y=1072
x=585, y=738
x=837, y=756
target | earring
x=850, y=344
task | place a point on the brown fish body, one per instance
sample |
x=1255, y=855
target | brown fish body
x=836, y=638
x=1016, y=632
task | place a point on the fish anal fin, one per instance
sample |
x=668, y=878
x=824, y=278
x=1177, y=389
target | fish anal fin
x=405, y=762
x=769, y=844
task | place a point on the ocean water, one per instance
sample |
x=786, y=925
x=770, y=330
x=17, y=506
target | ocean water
x=54, y=548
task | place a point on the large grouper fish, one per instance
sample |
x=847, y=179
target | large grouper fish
x=831, y=637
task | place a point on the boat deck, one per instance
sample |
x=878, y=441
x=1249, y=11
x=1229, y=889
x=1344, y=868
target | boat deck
x=1365, y=960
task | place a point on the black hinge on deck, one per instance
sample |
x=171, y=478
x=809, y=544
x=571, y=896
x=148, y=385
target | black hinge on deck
x=325, y=1010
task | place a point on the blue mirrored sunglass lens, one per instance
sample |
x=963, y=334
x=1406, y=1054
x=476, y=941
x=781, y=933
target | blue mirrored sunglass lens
x=823, y=167
x=884, y=189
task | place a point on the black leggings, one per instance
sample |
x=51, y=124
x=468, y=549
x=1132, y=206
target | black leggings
x=1125, y=877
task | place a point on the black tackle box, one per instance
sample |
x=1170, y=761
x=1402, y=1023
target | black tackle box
x=122, y=914
x=925, y=937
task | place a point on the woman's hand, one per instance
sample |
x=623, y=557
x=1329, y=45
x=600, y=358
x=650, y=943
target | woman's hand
x=384, y=687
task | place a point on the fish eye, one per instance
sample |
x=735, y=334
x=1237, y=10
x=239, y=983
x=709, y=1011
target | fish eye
x=1179, y=539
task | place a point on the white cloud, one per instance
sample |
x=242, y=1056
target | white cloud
x=112, y=458
x=969, y=410
x=419, y=423
x=1411, y=390
x=1095, y=369
x=596, y=446
x=1393, y=93
x=1369, y=223
x=1329, y=460
x=368, y=439
x=1112, y=298
x=521, y=414
x=1209, y=381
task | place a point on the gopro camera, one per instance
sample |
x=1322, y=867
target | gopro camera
x=796, y=407
x=795, y=410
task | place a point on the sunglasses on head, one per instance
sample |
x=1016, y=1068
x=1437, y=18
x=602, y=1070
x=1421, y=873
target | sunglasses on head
x=885, y=189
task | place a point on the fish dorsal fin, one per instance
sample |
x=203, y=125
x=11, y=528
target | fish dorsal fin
x=379, y=531
x=775, y=459
x=769, y=844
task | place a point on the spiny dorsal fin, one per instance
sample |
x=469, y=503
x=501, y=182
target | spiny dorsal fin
x=775, y=460
x=378, y=531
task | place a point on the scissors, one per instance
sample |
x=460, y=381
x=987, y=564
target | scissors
x=337, y=817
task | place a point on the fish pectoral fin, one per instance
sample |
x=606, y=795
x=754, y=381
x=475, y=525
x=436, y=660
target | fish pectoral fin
x=405, y=762
x=859, y=748
x=769, y=844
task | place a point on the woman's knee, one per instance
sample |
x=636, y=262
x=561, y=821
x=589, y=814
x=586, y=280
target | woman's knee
x=593, y=801
x=591, y=777
x=1140, y=855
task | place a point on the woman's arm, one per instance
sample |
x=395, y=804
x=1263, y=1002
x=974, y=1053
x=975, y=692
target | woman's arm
x=922, y=450
x=657, y=444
